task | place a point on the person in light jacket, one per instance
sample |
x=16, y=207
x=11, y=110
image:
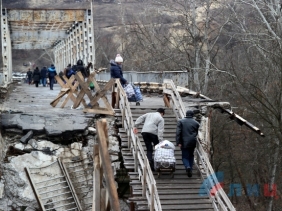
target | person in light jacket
x=186, y=139
x=51, y=74
x=152, y=131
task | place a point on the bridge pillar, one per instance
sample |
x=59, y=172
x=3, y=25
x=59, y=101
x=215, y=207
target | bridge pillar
x=6, y=47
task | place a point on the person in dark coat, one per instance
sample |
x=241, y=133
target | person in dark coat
x=36, y=76
x=67, y=71
x=116, y=71
x=51, y=74
x=186, y=139
x=80, y=67
x=29, y=76
x=43, y=75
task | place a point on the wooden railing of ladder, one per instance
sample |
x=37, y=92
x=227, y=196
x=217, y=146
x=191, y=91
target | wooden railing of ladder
x=102, y=196
x=219, y=198
x=141, y=163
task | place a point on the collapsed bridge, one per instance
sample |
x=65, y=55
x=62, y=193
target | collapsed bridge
x=68, y=32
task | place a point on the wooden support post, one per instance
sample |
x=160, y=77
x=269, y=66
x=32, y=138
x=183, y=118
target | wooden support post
x=103, y=199
x=114, y=95
x=96, y=180
x=107, y=165
x=166, y=101
x=118, y=98
x=144, y=177
x=152, y=198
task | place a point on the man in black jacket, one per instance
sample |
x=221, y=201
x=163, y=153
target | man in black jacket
x=186, y=139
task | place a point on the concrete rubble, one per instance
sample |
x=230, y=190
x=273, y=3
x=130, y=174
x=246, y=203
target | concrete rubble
x=40, y=147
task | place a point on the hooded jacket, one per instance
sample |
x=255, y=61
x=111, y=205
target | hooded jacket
x=52, y=71
x=80, y=67
x=187, y=131
x=116, y=72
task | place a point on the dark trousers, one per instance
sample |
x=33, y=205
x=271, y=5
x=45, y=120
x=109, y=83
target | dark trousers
x=51, y=79
x=150, y=139
x=188, y=157
x=36, y=83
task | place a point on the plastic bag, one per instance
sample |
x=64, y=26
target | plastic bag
x=165, y=144
x=129, y=90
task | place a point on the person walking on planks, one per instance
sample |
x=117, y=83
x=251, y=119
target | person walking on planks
x=152, y=131
x=186, y=139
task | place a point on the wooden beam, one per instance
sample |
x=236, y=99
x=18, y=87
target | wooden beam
x=96, y=206
x=99, y=111
x=107, y=165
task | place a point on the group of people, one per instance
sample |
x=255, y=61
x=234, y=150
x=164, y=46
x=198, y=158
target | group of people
x=186, y=135
x=41, y=75
x=49, y=73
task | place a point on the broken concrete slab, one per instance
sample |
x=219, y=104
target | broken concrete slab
x=51, y=125
x=26, y=137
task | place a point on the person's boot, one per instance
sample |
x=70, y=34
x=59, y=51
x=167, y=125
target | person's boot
x=189, y=172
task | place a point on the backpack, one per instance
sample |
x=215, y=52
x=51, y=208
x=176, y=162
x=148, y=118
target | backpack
x=74, y=68
x=70, y=73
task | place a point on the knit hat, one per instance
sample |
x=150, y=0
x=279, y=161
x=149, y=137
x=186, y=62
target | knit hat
x=118, y=58
x=189, y=113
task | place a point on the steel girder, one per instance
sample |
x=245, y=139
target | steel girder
x=6, y=48
x=69, y=32
x=79, y=44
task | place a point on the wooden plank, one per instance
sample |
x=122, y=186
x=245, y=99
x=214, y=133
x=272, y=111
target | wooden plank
x=66, y=100
x=96, y=180
x=65, y=89
x=109, y=176
x=84, y=85
x=98, y=111
x=102, y=92
x=57, y=99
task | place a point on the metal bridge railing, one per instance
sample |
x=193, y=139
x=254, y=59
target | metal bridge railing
x=141, y=163
x=219, y=198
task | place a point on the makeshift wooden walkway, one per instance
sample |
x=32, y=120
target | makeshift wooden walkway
x=178, y=193
x=150, y=192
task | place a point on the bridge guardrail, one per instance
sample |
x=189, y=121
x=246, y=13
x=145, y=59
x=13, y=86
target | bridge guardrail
x=219, y=198
x=141, y=163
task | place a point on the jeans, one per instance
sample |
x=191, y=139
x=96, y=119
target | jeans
x=188, y=157
x=150, y=138
x=44, y=81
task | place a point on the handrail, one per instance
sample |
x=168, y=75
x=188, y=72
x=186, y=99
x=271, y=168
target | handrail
x=219, y=198
x=141, y=163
